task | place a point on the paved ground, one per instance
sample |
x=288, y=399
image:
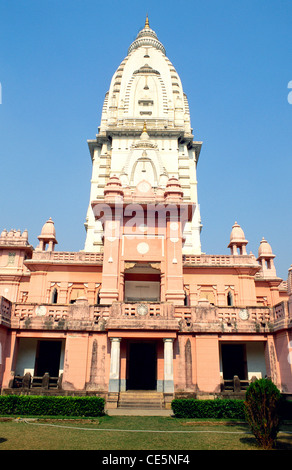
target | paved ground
x=138, y=412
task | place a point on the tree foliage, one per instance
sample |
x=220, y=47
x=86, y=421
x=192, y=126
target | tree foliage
x=262, y=404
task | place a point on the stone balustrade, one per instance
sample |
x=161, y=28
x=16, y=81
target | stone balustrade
x=67, y=257
x=136, y=124
x=146, y=310
x=188, y=260
x=282, y=315
x=204, y=317
x=281, y=311
x=219, y=260
x=59, y=316
x=225, y=319
x=145, y=315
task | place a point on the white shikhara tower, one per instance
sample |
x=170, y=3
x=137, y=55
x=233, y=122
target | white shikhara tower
x=145, y=134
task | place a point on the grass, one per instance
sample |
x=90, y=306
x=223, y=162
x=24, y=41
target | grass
x=115, y=433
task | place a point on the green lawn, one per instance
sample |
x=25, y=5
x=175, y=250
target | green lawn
x=128, y=433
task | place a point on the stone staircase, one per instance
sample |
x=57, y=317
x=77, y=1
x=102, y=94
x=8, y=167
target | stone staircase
x=141, y=399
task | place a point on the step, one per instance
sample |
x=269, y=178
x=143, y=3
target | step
x=141, y=393
x=141, y=399
x=141, y=406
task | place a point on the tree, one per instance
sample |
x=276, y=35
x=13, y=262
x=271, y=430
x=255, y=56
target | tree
x=262, y=402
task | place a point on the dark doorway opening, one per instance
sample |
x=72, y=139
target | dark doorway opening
x=48, y=358
x=142, y=366
x=233, y=361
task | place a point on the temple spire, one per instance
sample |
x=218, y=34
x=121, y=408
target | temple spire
x=147, y=22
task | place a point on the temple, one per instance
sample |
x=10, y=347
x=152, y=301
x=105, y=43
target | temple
x=140, y=314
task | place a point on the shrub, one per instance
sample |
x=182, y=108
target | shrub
x=210, y=409
x=51, y=406
x=262, y=407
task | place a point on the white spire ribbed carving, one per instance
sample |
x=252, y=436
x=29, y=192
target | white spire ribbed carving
x=145, y=88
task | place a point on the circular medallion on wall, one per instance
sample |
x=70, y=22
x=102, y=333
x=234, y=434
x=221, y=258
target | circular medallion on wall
x=243, y=314
x=40, y=310
x=143, y=248
x=144, y=186
x=142, y=309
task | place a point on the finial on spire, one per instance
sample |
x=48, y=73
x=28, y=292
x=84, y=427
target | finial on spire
x=147, y=22
x=144, y=127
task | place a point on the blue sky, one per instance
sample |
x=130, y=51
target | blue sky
x=234, y=58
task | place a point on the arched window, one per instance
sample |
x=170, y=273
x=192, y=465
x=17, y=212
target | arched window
x=55, y=296
x=229, y=299
x=144, y=169
x=186, y=298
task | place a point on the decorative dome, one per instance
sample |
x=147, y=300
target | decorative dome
x=47, y=236
x=144, y=136
x=237, y=240
x=48, y=230
x=237, y=234
x=173, y=181
x=144, y=141
x=173, y=189
x=113, y=183
x=265, y=250
x=146, y=37
x=113, y=188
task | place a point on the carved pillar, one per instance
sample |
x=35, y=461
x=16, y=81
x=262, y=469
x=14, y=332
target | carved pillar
x=188, y=364
x=93, y=365
x=168, y=365
x=114, y=378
